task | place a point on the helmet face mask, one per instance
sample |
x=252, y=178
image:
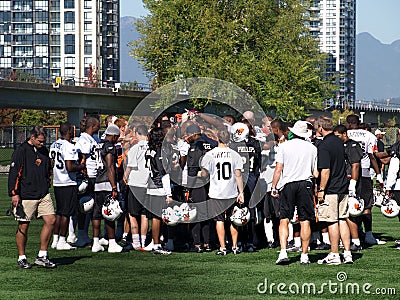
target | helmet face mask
x=355, y=206
x=111, y=210
x=240, y=132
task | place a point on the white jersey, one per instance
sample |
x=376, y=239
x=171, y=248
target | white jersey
x=368, y=143
x=139, y=174
x=86, y=145
x=221, y=164
x=299, y=159
x=61, y=151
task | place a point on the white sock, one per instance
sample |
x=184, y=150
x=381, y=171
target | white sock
x=283, y=253
x=135, y=238
x=156, y=246
x=304, y=255
x=55, y=238
x=325, y=238
x=42, y=253
x=61, y=239
x=21, y=257
x=290, y=237
x=269, y=233
x=297, y=241
x=71, y=229
x=143, y=238
x=345, y=252
x=124, y=235
x=96, y=241
x=356, y=242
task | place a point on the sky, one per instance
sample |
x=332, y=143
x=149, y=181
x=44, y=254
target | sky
x=379, y=18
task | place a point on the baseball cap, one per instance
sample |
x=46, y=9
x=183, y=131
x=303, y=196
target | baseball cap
x=112, y=130
x=379, y=132
x=192, y=129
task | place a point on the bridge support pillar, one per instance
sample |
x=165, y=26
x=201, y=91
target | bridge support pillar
x=75, y=115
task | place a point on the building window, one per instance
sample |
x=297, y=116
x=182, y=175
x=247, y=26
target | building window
x=5, y=5
x=69, y=44
x=41, y=16
x=69, y=73
x=69, y=17
x=88, y=26
x=42, y=28
x=42, y=51
x=88, y=44
x=69, y=27
x=42, y=39
x=41, y=5
x=69, y=62
x=88, y=4
x=87, y=16
x=69, y=4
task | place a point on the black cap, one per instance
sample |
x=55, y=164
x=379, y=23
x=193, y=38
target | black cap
x=193, y=129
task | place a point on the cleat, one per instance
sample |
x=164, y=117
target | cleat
x=294, y=249
x=82, y=242
x=236, y=250
x=65, y=246
x=323, y=246
x=160, y=251
x=198, y=249
x=45, y=262
x=103, y=242
x=282, y=260
x=222, y=251
x=370, y=239
x=54, y=245
x=97, y=248
x=330, y=259
x=72, y=239
x=24, y=264
x=114, y=248
x=348, y=259
x=148, y=248
x=355, y=248
x=207, y=248
x=304, y=260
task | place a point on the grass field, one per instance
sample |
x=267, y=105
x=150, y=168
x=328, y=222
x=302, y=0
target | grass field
x=82, y=274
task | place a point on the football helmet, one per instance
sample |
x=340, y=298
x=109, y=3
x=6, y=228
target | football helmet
x=111, y=210
x=240, y=131
x=86, y=203
x=82, y=182
x=240, y=216
x=188, y=214
x=356, y=206
x=379, y=196
x=169, y=216
x=390, y=208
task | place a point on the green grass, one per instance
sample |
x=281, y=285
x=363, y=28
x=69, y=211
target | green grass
x=82, y=274
x=5, y=156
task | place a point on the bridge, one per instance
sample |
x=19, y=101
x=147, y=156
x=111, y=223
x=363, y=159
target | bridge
x=80, y=100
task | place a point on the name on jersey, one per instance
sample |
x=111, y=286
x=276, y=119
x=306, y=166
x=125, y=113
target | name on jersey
x=222, y=155
x=246, y=149
x=57, y=145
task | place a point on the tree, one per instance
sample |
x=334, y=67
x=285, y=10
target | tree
x=31, y=117
x=339, y=117
x=261, y=46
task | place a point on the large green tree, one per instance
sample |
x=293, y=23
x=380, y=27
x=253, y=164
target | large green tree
x=260, y=45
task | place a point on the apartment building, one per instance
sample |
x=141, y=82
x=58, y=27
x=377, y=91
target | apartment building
x=77, y=40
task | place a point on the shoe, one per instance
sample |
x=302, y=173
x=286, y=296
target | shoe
x=250, y=248
x=124, y=241
x=83, y=242
x=355, y=248
x=54, y=244
x=23, y=264
x=148, y=248
x=71, y=239
x=97, y=248
x=115, y=248
x=397, y=242
x=198, y=249
x=127, y=248
x=45, y=262
x=398, y=247
x=380, y=242
x=330, y=259
x=237, y=250
x=370, y=239
x=348, y=259
x=170, y=245
x=273, y=245
x=135, y=246
x=65, y=246
x=313, y=246
x=160, y=251
x=323, y=246
x=222, y=251
x=207, y=248
x=304, y=260
x=103, y=242
x=282, y=260
x=294, y=249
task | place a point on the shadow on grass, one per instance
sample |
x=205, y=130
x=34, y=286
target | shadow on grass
x=61, y=261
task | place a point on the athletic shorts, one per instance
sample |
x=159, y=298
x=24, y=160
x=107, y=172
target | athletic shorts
x=136, y=199
x=99, y=199
x=154, y=205
x=300, y=194
x=334, y=208
x=365, y=190
x=37, y=208
x=271, y=207
x=221, y=209
x=66, y=200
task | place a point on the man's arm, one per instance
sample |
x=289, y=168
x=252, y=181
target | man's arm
x=239, y=183
x=324, y=176
x=275, y=178
x=109, y=158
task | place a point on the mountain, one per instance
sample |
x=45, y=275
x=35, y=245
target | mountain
x=131, y=70
x=377, y=68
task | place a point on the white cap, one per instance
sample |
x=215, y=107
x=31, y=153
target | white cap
x=112, y=130
x=379, y=132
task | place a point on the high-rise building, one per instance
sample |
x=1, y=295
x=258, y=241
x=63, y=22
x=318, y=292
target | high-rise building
x=77, y=40
x=333, y=23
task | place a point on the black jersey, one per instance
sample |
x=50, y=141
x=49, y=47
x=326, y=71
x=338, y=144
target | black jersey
x=159, y=163
x=102, y=149
x=30, y=172
x=250, y=151
x=196, y=152
x=353, y=154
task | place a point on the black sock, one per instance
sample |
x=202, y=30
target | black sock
x=367, y=220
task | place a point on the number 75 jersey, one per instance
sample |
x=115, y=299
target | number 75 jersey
x=61, y=151
x=221, y=164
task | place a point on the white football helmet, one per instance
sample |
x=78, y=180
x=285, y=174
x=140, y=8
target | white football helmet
x=356, y=206
x=86, y=203
x=295, y=219
x=240, y=216
x=111, y=210
x=83, y=186
x=378, y=197
x=169, y=216
x=390, y=208
x=188, y=214
x=240, y=131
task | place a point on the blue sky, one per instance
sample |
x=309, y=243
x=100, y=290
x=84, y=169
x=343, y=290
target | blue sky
x=379, y=18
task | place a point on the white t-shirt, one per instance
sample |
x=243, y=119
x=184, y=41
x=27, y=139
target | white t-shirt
x=61, y=151
x=221, y=164
x=299, y=159
x=86, y=145
x=367, y=141
x=139, y=174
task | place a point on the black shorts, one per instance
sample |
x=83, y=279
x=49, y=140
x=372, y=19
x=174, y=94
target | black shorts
x=271, y=207
x=300, y=194
x=221, y=209
x=154, y=206
x=99, y=199
x=66, y=200
x=365, y=190
x=136, y=199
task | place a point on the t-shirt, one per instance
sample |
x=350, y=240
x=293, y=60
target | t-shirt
x=299, y=159
x=331, y=156
x=221, y=163
x=139, y=174
x=103, y=149
x=197, y=150
x=86, y=145
x=61, y=151
x=353, y=154
x=368, y=143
